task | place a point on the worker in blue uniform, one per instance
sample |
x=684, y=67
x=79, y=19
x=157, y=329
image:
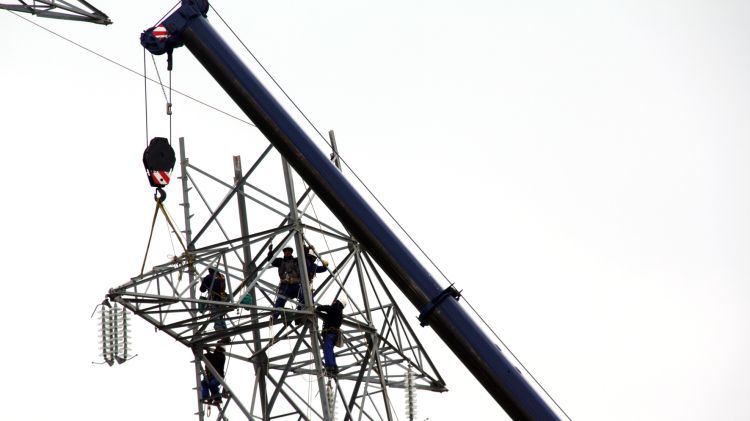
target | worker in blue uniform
x=214, y=285
x=289, y=276
x=332, y=316
x=312, y=267
x=210, y=392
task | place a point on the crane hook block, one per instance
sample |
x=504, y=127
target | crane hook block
x=159, y=159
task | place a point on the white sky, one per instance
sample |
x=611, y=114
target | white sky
x=580, y=171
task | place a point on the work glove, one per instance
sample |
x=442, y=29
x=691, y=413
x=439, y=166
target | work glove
x=325, y=263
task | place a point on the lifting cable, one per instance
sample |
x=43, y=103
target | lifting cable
x=160, y=206
x=168, y=13
x=168, y=100
x=145, y=93
x=514, y=357
x=320, y=226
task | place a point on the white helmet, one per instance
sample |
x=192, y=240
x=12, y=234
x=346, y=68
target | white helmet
x=342, y=299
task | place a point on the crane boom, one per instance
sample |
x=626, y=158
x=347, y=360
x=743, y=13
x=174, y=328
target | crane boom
x=439, y=307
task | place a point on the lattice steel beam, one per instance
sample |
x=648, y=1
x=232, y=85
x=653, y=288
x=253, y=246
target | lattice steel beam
x=60, y=9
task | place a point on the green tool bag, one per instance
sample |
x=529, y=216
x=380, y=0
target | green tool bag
x=247, y=299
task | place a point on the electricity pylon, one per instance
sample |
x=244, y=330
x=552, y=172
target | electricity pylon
x=260, y=213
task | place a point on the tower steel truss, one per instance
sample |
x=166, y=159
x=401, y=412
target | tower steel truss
x=281, y=375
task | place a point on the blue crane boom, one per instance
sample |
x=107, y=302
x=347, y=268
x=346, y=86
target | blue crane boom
x=439, y=307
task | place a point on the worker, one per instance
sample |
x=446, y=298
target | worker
x=312, y=267
x=210, y=393
x=332, y=316
x=215, y=285
x=289, y=278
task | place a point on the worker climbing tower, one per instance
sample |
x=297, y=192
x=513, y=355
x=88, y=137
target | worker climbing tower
x=254, y=218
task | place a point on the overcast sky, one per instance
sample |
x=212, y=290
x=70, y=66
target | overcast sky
x=579, y=170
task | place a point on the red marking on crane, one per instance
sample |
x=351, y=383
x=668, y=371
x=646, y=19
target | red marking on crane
x=160, y=177
x=160, y=32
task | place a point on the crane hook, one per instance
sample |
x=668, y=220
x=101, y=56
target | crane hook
x=160, y=195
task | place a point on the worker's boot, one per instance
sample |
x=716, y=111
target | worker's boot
x=332, y=371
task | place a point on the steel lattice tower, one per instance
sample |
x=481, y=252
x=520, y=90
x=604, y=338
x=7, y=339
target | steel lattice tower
x=285, y=359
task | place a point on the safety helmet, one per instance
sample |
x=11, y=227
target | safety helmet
x=342, y=299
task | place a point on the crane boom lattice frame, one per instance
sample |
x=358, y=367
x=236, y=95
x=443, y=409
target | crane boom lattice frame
x=60, y=9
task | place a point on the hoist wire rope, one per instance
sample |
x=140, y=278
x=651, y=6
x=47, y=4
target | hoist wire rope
x=160, y=206
x=317, y=218
x=168, y=100
x=169, y=107
x=145, y=93
x=514, y=356
x=130, y=70
x=168, y=13
x=369, y=191
x=172, y=224
x=158, y=76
